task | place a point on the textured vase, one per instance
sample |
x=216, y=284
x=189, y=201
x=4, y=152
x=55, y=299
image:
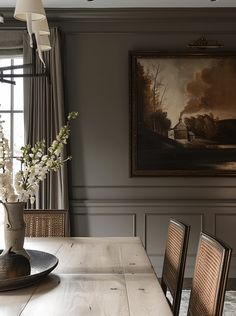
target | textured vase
x=14, y=227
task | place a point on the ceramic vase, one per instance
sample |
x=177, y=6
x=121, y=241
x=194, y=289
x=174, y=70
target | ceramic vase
x=14, y=227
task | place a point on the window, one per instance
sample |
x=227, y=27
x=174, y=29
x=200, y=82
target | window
x=12, y=110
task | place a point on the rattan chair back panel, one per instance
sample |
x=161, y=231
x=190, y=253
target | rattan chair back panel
x=210, y=276
x=174, y=262
x=45, y=223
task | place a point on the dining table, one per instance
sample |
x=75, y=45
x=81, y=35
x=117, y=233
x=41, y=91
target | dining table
x=95, y=276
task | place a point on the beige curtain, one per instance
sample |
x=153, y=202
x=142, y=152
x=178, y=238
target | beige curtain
x=44, y=115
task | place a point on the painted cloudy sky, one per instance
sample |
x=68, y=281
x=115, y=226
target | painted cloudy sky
x=196, y=85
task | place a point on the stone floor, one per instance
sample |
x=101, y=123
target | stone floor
x=229, y=306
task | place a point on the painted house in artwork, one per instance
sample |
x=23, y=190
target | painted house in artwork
x=181, y=133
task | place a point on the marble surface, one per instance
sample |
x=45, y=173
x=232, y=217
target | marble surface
x=229, y=306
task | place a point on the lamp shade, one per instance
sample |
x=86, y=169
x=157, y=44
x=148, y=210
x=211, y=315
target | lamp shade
x=40, y=27
x=1, y=18
x=43, y=43
x=32, y=8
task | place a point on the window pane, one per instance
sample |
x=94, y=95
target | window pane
x=18, y=94
x=18, y=88
x=17, y=62
x=5, y=88
x=5, y=96
x=5, y=62
x=2, y=215
x=12, y=95
x=18, y=128
x=6, y=125
x=16, y=166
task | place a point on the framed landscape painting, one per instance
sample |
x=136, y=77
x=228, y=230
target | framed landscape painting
x=182, y=114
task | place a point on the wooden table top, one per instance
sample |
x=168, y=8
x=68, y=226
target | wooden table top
x=95, y=277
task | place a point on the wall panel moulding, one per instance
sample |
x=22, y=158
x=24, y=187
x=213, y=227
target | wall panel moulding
x=216, y=15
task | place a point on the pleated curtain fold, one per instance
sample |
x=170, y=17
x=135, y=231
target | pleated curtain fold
x=44, y=116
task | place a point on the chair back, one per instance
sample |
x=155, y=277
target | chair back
x=210, y=277
x=46, y=223
x=174, y=262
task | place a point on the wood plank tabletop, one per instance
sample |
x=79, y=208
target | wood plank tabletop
x=95, y=277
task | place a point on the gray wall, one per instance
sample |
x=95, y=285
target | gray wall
x=105, y=201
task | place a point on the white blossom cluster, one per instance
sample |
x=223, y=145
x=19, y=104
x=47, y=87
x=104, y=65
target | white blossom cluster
x=36, y=163
x=6, y=188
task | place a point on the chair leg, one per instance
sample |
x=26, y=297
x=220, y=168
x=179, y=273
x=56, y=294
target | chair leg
x=164, y=287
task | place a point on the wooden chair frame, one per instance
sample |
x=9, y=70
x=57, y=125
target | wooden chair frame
x=176, y=290
x=226, y=253
x=43, y=215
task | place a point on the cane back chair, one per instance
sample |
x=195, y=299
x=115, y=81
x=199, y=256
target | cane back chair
x=174, y=262
x=46, y=223
x=210, y=277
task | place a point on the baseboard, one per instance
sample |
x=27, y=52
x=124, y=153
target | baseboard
x=231, y=284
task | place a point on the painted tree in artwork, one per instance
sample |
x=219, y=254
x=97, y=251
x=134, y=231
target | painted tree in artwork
x=160, y=121
x=203, y=126
x=151, y=93
x=143, y=95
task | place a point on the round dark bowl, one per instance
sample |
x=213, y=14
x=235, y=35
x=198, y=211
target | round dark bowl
x=42, y=263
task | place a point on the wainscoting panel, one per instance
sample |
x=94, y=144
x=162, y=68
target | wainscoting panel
x=225, y=229
x=156, y=230
x=149, y=220
x=225, y=224
x=101, y=224
x=156, y=233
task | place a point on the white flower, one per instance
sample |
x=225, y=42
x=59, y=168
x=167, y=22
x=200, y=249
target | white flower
x=32, y=199
x=57, y=151
x=35, y=165
x=49, y=163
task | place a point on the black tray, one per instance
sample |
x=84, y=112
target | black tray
x=42, y=263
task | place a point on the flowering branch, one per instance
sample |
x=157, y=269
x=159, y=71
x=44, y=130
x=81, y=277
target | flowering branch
x=36, y=164
x=6, y=188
